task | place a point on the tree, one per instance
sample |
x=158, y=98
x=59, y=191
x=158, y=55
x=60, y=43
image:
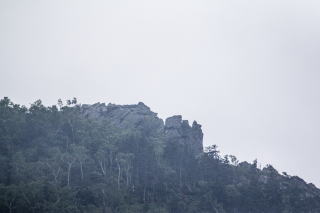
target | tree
x=58, y=159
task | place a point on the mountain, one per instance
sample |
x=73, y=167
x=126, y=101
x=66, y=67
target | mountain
x=124, y=158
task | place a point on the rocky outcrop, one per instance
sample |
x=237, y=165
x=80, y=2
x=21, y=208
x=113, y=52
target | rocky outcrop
x=139, y=116
x=123, y=116
x=179, y=131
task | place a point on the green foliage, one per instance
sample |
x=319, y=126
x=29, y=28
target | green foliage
x=55, y=159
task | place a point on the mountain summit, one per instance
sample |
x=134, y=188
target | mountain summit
x=140, y=117
x=124, y=159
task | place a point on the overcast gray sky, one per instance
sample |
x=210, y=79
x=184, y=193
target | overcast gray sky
x=247, y=70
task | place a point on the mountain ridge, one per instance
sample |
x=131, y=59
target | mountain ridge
x=124, y=158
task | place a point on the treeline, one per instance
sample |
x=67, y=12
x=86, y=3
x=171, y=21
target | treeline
x=55, y=159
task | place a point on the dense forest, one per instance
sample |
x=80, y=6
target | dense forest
x=73, y=157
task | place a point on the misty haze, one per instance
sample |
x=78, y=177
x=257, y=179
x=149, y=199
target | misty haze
x=159, y=106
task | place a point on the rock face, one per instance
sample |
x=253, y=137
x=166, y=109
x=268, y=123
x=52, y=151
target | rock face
x=139, y=116
x=178, y=130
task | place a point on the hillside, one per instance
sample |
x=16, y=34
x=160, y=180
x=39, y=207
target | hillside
x=123, y=158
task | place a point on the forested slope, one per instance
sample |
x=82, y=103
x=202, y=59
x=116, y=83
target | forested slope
x=113, y=158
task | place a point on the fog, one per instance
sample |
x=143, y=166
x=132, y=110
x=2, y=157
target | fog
x=248, y=71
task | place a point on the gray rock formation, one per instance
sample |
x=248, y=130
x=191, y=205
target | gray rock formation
x=123, y=116
x=139, y=116
x=179, y=131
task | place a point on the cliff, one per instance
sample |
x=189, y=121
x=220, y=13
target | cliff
x=140, y=117
x=124, y=159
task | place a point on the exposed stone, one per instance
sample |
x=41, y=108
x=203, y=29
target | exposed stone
x=179, y=131
x=173, y=122
x=139, y=116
